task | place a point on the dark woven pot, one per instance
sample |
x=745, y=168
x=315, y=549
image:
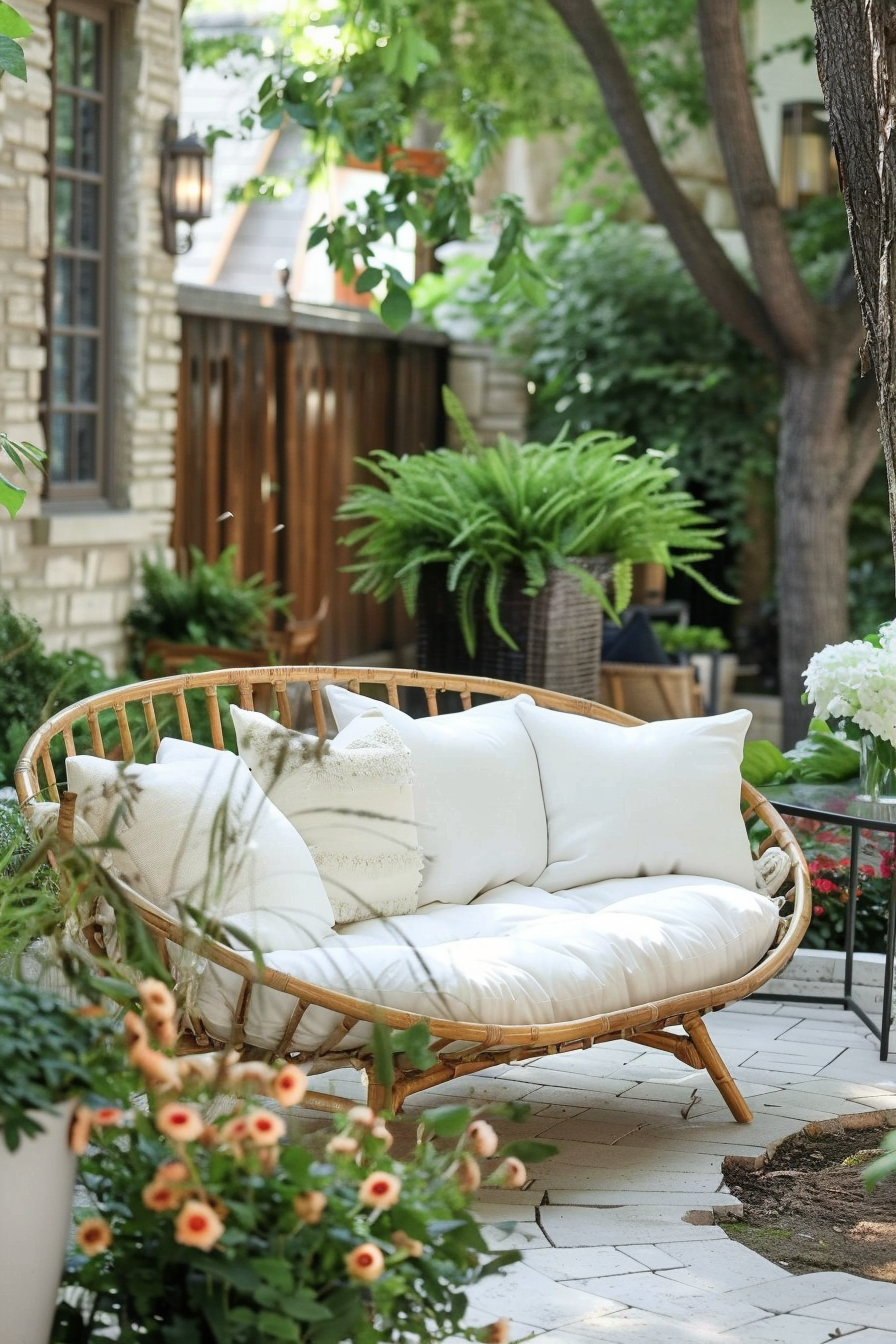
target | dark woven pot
x=559, y=632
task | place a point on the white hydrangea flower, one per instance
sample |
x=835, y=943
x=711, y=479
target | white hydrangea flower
x=857, y=681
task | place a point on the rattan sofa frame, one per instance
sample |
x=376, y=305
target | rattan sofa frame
x=460, y=1047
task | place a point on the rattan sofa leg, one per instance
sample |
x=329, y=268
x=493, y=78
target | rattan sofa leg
x=715, y=1067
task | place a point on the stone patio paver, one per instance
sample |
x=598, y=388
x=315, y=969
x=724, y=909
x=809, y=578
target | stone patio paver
x=610, y=1256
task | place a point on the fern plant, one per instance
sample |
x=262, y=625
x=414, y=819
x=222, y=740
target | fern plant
x=207, y=605
x=484, y=513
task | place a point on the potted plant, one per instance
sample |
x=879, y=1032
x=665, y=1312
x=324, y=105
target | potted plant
x=204, y=1226
x=205, y=612
x=514, y=551
x=51, y=1056
x=708, y=650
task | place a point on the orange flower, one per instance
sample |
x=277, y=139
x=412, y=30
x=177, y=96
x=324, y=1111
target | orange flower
x=363, y=1116
x=310, y=1206
x=160, y=1196
x=483, y=1139
x=290, y=1085
x=158, y=1001
x=410, y=1245
x=380, y=1190
x=157, y=1069
x=172, y=1173
x=108, y=1115
x=79, y=1130
x=165, y=1031
x=94, y=1236
x=511, y=1174
x=343, y=1144
x=469, y=1177
x=134, y=1029
x=198, y=1225
x=235, y=1131
x=177, y=1120
x=496, y=1333
x=365, y=1262
x=380, y=1132
x=264, y=1128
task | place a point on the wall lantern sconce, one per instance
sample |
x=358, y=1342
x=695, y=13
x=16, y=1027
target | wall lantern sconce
x=185, y=186
x=808, y=167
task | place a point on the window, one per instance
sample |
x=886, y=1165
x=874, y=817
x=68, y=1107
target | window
x=77, y=265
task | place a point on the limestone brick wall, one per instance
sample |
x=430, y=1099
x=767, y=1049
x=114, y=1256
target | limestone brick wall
x=492, y=391
x=73, y=568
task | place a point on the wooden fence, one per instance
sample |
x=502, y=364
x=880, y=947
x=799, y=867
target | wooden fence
x=274, y=408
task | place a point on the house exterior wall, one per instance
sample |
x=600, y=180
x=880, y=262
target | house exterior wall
x=72, y=567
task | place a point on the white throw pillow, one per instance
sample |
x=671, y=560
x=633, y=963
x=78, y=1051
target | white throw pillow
x=661, y=798
x=351, y=802
x=198, y=830
x=477, y=795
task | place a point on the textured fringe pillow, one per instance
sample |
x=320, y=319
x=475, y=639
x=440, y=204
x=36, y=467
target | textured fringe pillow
x=477, y=795
x=197, y=830
x=352, y=803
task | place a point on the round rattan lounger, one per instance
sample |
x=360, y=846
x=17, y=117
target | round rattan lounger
x=460, y=1047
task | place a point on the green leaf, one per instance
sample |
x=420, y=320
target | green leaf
x=499, y=1262
x=11, y=22
x=12, y=59
x=12, y=497
x=278, y=1327
x=529, y=1150
x=414, y=1042
x=764, y=763
x=275, y=1272
x=303, y=1307
x=396, y=309
x=381, y=1050
x=368, y=280
x=822, y=758
x=446, y=1122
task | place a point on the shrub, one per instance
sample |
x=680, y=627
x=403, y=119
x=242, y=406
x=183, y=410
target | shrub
x=207, y=605
x=34, y=684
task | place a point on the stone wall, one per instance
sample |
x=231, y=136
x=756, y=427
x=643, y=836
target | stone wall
x=491, y=390
x=73, y=568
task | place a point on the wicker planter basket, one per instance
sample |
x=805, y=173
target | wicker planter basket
x=460, y=1047
x=559, y=632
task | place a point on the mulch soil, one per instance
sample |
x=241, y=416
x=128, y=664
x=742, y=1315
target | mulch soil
x=807, y=1209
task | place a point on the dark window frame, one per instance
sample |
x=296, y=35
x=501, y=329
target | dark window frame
x=70, y=490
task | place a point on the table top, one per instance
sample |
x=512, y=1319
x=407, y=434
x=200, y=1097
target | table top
x=840, y=803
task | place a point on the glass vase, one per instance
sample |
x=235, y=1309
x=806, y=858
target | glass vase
x=877, y=769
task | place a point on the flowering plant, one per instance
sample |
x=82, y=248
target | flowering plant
x=855, y=683
x=205, y=1228
x=826, y=848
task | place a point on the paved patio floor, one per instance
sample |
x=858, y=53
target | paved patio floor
x=616, y=1231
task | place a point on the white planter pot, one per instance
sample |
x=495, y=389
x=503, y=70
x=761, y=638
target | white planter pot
x=37, y=1183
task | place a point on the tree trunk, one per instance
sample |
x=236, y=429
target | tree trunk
x=813, y=495
x=856, y=51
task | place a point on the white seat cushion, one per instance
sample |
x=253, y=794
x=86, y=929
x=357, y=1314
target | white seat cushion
x=519, y=956
x=351, y=802
x=477, y=795
x=196, y=829
x=628, y=802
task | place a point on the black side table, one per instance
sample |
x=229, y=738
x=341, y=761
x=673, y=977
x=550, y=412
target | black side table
x=839, y=805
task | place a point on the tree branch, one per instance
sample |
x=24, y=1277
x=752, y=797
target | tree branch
x=787, y=300
x=715, y=275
